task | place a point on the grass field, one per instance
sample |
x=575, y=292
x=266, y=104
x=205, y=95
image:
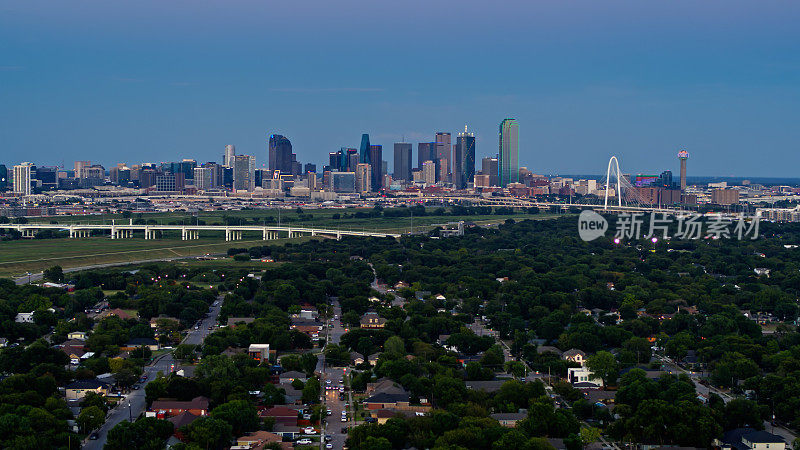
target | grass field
x=34, y=255
x=328, y=218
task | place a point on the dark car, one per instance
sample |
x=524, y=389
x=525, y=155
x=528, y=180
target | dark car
x=136, y=386
x=94, y=436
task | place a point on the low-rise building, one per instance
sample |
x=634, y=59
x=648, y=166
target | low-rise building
x=79, y=388
x=164, y=408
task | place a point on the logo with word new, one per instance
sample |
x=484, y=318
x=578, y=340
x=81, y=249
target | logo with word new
x=591, y=225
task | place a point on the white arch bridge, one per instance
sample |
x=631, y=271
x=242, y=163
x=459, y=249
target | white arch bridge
x=189, y=232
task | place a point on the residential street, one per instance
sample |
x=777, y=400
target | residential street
x=330, y=397
x=133, y=405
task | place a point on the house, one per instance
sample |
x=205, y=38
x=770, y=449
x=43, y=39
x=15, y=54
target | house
x=383, y=415
x=24, y=317
x=163, y=409
x=258, y=439
x=371, y=320
x=135, y=343
x=357, y=359
x=309, y=327
x=422, y=295
x=233, y=321
x=282, y=414
x=384, y=400
x=78, y=335
x=288, y=377
x=574, y=355
x=308, y=312
x=508, y=419
x=582, y=374
x=73, y=351
x=79, y=388
x=384, y=385
x=749, y=439
x=259, y=352
x=600, y=397
x=542, y=349
x=183, y=419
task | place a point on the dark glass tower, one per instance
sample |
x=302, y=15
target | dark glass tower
x=464, y=159
x=376, y=164
x=402, y=161
x=365, y=149
x=280, y=154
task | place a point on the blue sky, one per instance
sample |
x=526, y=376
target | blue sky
x=159, y=81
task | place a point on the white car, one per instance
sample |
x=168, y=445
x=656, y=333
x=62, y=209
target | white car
x=328, y=445
x=344, y=418
x=303, y=442
x=309, y=430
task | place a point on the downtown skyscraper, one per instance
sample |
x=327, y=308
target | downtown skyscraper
x=508, y=152
x=464, y=159
x=280, y=154
x=402, y=161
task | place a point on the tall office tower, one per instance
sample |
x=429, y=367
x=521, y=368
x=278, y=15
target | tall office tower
x=444, y=150
x=464, y=159
x=227, y=158
x=683, y=155
x=244, y=172
x=79, y=166
x=429, y=172
x=363, y=178
x=310, y=168
x=491, y=167
x=203, y=178
x=509, y=152
x=351, y=160
x=334, y=160
x=402, y=161
x=376, y=162
x=280, y=154
x=365, y=148
x=3, y=177
x=22, y=178
x=426, y=151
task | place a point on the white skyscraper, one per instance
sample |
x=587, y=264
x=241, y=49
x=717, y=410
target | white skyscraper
x=22, y=178
x=230, y=152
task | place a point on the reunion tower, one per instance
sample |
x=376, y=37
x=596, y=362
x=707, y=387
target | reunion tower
x=683, y=155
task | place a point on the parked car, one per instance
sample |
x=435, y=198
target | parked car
x=309, y=430
x=304, y=441
x=94, y=436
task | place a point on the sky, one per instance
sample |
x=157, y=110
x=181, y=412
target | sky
x=152, y=81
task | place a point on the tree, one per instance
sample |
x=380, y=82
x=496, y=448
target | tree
x=365, y=347
x=394, y=347
x=209, y=432
x=311, y=390
x=603, y=365
x=308, y=362
x=54, y=274
x=94, y=399
x=91, y=418
x=239, y=414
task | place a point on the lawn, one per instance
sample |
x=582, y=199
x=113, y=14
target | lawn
x=34, y=255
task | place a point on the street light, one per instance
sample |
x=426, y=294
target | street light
x=130, y=414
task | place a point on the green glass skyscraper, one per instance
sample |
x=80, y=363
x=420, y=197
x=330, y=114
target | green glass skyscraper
x=509, y=152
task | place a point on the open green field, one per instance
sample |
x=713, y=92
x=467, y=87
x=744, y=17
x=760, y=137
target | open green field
x=34, y=255
x=21, y=256
x=333, y=218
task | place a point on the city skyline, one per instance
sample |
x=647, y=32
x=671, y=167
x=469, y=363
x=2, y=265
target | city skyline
x=103, y=82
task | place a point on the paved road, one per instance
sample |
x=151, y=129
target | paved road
x=333, y=424
x=134, y=404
